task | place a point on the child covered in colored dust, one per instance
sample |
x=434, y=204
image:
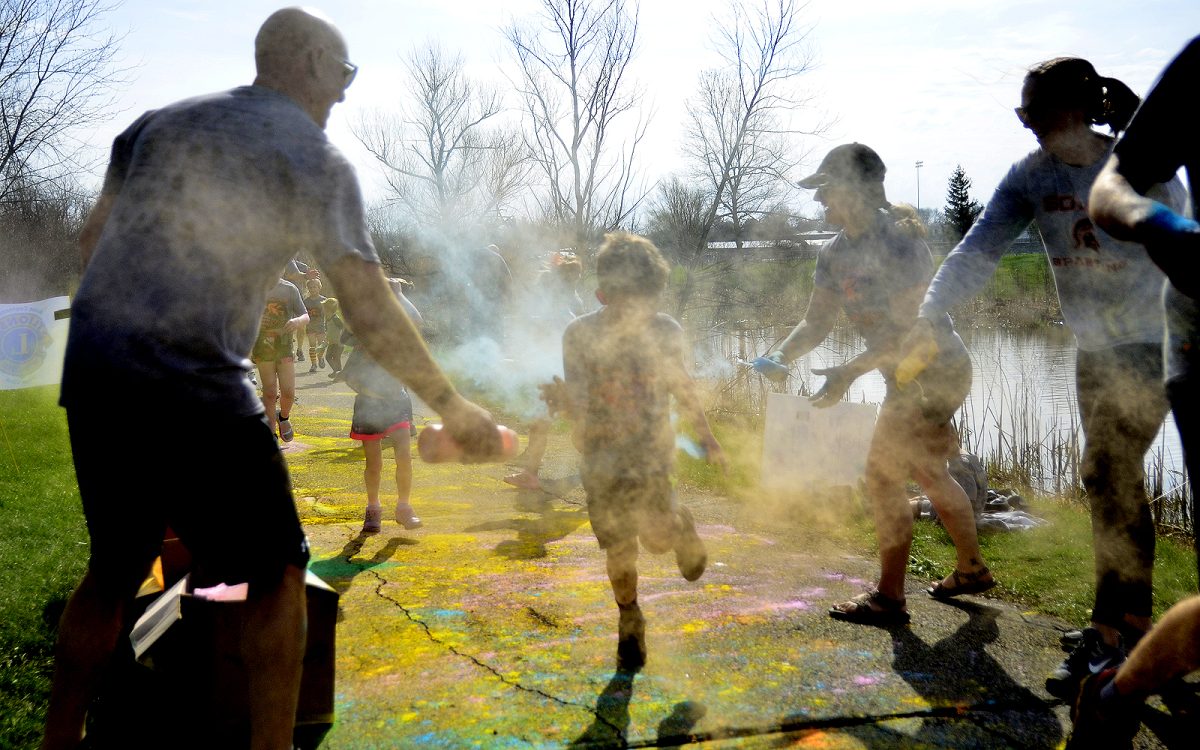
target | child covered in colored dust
x=316, y=324
x=273, y=353
x=383, y=411
x=622, y=364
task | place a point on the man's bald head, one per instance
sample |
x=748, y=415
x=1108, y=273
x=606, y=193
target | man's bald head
x=299, y=52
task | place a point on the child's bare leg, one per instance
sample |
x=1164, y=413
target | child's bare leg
x=270, y=392
x=531, y=459
x=405, y=516
x=286, y=369
x=372, y=470
x=539, y=436
x=631, y=625
x=622, y=571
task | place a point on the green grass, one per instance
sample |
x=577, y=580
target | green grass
x=43, y=553
x=1049, y=569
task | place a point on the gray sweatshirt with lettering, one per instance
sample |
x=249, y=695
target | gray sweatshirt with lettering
x=1110, y=291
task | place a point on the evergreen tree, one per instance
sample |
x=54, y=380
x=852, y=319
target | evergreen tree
x=961, y=210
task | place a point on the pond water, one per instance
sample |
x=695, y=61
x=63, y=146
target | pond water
x=1022, y=401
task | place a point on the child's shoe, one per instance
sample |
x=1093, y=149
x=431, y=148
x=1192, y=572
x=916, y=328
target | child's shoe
x=406, y=518
x=312, y=367
x=321, y=361
x=690, y=555
x=631, y=638
x=285, y=428
x=373, y=521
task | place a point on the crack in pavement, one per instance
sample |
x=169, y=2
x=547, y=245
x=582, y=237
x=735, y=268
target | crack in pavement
x=786, y=726
x=594, y=711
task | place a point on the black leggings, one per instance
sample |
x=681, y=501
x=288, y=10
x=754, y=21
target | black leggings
x=1122, y=404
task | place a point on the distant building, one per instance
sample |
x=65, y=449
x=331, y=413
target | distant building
x=803, y=246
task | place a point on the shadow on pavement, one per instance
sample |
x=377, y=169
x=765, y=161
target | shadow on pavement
x=340, y=570
x=533, y=534
x=958, y=671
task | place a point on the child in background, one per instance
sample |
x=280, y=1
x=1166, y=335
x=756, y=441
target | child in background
x=622, y=365
x=273, y=350
x=553, y=304
x=334, y=327
x=383, y=411
x=316, y=324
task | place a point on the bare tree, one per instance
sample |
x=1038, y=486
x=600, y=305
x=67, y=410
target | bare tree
x=741, y=137
x=575, y=91
x=678, y=222
x=57, y=76
x=444, y=161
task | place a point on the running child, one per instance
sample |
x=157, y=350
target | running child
x=273, y=352
x=622, y=364
x=316, y=324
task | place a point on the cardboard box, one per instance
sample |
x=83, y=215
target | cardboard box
x=196, y=643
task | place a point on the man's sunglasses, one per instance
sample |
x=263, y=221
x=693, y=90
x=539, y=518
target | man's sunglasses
x=349, y=70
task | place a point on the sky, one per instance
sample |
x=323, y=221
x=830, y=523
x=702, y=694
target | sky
x=933, y=81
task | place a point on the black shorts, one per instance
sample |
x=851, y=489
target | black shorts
x=224, y=490
x=376, y=418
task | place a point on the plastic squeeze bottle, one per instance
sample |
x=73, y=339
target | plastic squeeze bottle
x=436, y=446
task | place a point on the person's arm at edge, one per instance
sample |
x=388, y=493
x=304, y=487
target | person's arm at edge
x=388, y=335
x=93, y=226
x=1121, y=210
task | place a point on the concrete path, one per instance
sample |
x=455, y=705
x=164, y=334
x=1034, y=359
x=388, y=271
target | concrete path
x=493, y=626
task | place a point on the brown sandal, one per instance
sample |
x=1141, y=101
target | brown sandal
x=964, y=583
x=871, y=608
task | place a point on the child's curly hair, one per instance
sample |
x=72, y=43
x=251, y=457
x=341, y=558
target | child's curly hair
x=630, y=266
x=908, y=221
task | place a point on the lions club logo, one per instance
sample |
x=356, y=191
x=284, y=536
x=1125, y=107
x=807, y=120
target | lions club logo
x=23, y=342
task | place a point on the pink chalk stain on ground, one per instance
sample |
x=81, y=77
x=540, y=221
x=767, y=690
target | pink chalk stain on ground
x=866, y=680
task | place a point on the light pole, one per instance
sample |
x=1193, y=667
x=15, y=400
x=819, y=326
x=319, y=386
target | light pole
x=919, y=165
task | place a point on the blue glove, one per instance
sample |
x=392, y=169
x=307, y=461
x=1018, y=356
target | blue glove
x=1173, y=243
x=771, y=366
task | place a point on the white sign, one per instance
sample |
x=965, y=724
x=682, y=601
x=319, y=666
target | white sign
x=32, y=343
x=806, y=447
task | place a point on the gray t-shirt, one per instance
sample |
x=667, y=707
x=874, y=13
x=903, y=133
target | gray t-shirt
x=1108, y=289
x=213, y=197
x=867, y=271
x=283, y=304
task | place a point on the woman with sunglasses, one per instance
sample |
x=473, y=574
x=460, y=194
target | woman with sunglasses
x=876, y=270
x=1109, y=293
